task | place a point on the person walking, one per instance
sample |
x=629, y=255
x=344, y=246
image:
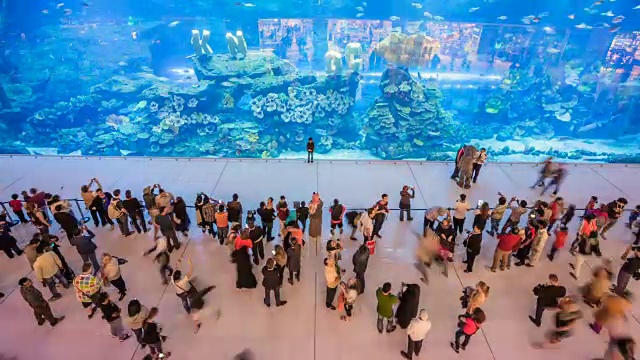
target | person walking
x=468, y=326
x=332, y=276
x=280, y=256
x=557, y=177
x=614, y=211
x=221, y=220
x=41, y=309
x=47, y=270
x=294, y=260
x=88, y=286
x=380, y=213
x=134, y=209
x=162, y=257
x=152, y=336
x=16, y=207
x=386, y=303
x=187, y=292
x=473, y=244
x=111, y=274
x=311, y=147
x=303, y=214
x=315, y=217
x=586, y=247
x=406, y=194
x=83, y=242
x=630, y=268
x=477, y=297
x=561, y=232
x=460, y=209
x=547, y=170
x=360, y=261
x=477, y=164
x=547, y=296
x=416, y=333
x=111, y=314
x=89, y=196
x=136, y=315
x=164, y=223
x=271, y=282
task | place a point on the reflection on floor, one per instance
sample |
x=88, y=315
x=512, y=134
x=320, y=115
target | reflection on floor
x=304, y=329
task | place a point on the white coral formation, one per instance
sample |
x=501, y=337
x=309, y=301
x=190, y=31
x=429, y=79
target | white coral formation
x=301, y=105
x=153, y=106
x=193, y=102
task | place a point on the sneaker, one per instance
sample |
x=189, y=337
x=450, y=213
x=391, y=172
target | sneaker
x=125, y=337
x=573, y=275
x=353, y=238
x=122, y=296
x=549, y=257
x=463, y=347
x=453, y=346
x=533, y=320
x=410, y=219
x=282, y=303
x=54, y=298
x=331, y=307
x=93, y=312
x=572, y=266
x=41, y=322
x=405, y=355
x=467, y=271
x=391, y=329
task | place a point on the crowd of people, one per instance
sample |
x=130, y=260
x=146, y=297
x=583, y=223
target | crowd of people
x=522, y=232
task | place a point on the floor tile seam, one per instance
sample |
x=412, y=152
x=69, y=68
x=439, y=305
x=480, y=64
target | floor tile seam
x=13, y=183
x=608, y=181
x=415, y=178
x=13, y=288
x=215, y=186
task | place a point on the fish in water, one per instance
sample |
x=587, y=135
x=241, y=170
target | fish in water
x=583, y=26
x=438, y=18
x=502, y=17
x=134, y=35
x=394, y=18
x=598, y=2
x=359, y=9
x=544, y=14
x=358, y=15
x=68, y=12
x=427, y=15
x=364, y=3
x=590, y=10
x=85, y=4
x=474, y=9
x=608, y=13
x=548, y=30
x=617, y=19
x=45, y=11
x=250, y=5
x=174, y=23
x=416, y=5
x=59, y=6
x=636, y=7
x=572, y=16
x=553, y=51
x=614, y=28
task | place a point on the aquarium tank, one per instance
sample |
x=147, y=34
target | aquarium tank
x=401, y=79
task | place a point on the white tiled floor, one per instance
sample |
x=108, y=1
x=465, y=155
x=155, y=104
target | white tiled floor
x=304, y=328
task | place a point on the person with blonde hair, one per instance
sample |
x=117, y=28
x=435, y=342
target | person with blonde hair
x=478, y=296
x=595, y=291
x=111, y=274
x=612, y=315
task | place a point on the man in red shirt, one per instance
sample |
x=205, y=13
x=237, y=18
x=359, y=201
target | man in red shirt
x=16, y=206
x=507, y=243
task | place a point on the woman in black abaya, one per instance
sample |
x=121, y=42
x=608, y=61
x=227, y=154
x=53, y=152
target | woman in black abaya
x=245, y=278
x=409, y=302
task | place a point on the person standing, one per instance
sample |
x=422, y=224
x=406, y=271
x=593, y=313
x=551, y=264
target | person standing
x=41, y=309
x=431, y=215
x=8, y=243
x=365, y=225
x=111, y=313
x=614, y=210
x=181, y=218
x=294, y=259
x=256, y=236
x=244, y=273
x=165, y=225
x=469, y=326
x=136, y=315
x=386, y=303
x=221, y=220
x=459, y=155
x=473, y=244
x=406, y=194
x=517, y=210
x=561, y=232
x=88, y=286
x=83, y=242
x=315, y=217
x=282, y=209
x=337, y=212
x=267, y=215
x=477, y=164
x=66, y=220
x=152, y=336
x=547, y=296
x=381, y=211
x=540, y=240
x=507, y=244
x=16, y=206
x=497, y=214
x=630, y=267
x=349, y=294
x=47, y=269
x=38, y=218
x=460, y=213
x=271, y=282
x=134, y=210
x=88, y=196
x=280, y=256
x=311, y=147
x=111, y=274
x=332, y=276
x=586, y=247
x=360, y=261
x=117, y=211
x=234, y=210
x=99, y=205
x=416, y=333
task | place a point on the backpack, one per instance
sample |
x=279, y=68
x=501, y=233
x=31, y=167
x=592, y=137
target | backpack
x=113, y=211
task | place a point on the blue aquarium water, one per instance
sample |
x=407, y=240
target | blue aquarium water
x=372, y=79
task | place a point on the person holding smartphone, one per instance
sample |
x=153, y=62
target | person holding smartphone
x=407, y=193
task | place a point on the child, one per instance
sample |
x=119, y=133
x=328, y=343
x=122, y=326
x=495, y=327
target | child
x=111, y=313
x=635, y=213
x=16, y=206
x=561, y=237
x=386, y=303
x=152, y=337
x=303, y=215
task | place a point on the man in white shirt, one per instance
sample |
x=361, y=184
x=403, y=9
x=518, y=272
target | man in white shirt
x=416, y=332
x=460, y=213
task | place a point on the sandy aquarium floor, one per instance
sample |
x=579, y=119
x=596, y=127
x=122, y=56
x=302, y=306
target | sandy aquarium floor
x=304, y=329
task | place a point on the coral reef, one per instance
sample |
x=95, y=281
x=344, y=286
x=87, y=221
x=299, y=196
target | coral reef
x=407, y=50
